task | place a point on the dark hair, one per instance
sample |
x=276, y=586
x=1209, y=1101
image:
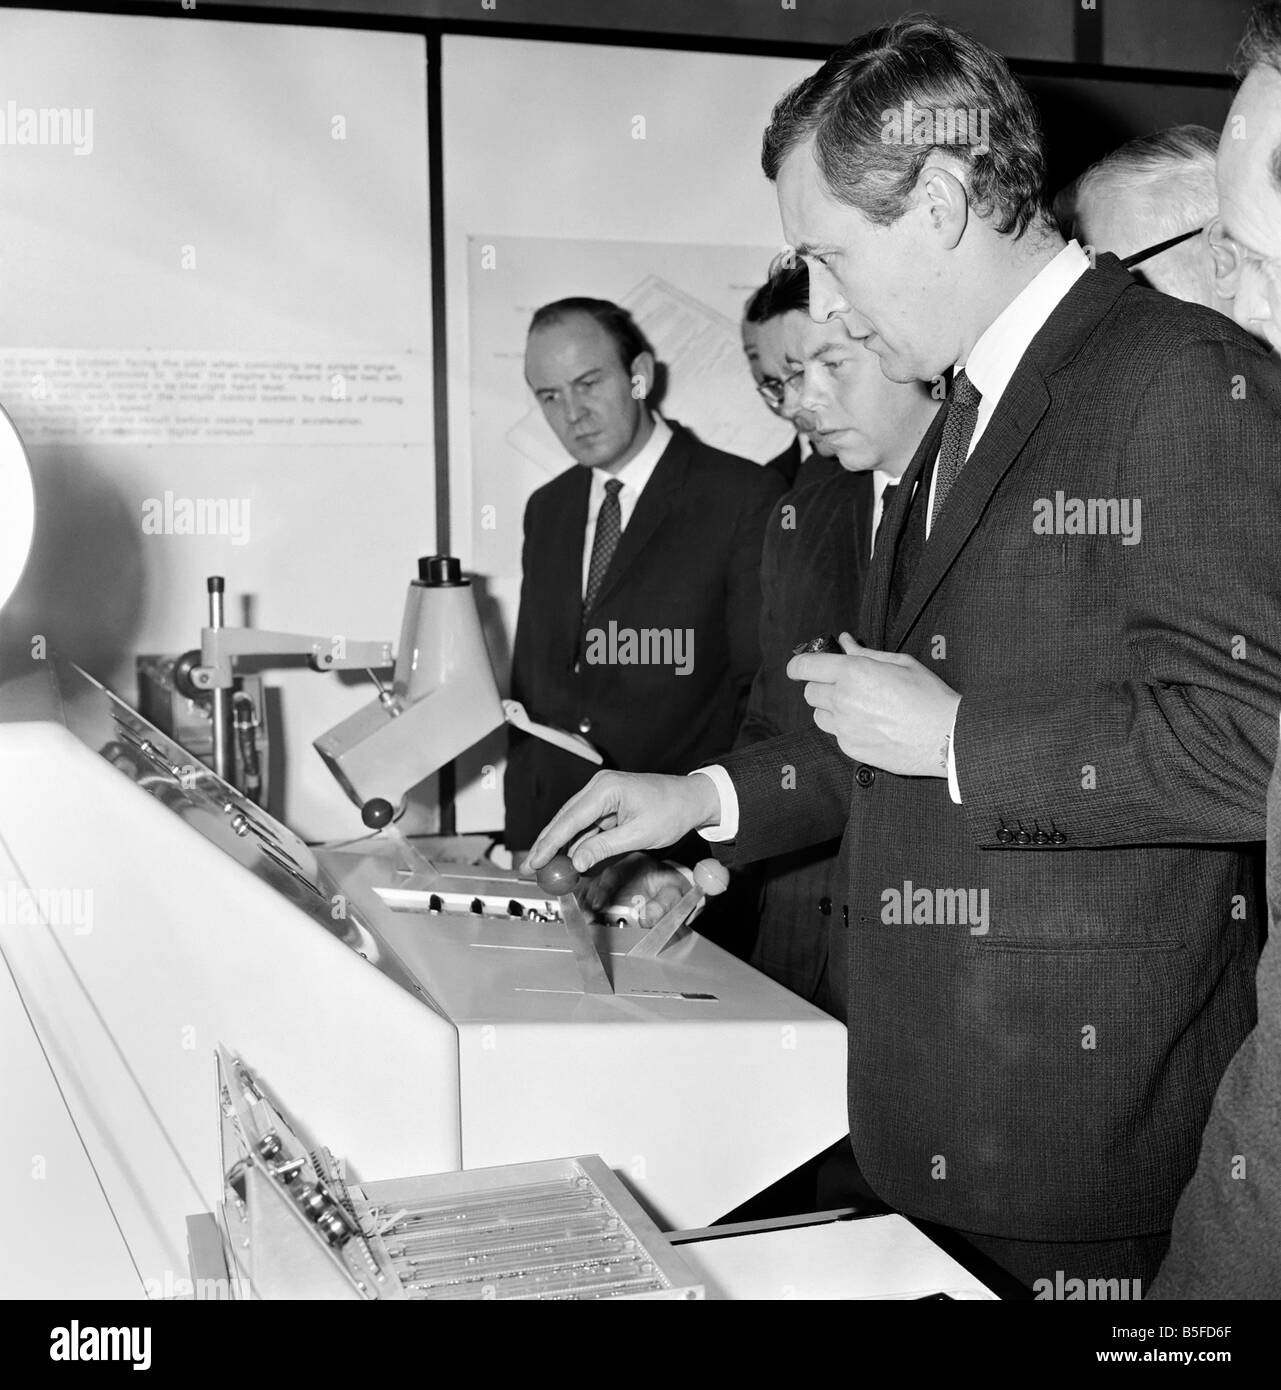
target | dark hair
x=846, y=107
x=1261, y=47
x=615, y=320
x=787, y=288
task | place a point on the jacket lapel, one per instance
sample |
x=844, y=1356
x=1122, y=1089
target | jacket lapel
x=1022, y=406
x=651, y=508
x=564, y=554
x=876, y=594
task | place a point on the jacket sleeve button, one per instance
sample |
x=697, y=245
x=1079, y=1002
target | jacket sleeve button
x=1005, y=835
x=825, y=906
x=584, y=725
x=1058, y=838
x=1023, y=838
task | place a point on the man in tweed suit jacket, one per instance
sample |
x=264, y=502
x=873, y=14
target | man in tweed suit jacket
x=1060, y=731
x=1226, y=1239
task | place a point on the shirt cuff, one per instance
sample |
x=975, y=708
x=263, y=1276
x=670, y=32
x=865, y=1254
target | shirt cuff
x=953, y=785
x=726, y=828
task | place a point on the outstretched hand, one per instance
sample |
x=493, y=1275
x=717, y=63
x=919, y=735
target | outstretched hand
x=647, y=885
x=618, y=812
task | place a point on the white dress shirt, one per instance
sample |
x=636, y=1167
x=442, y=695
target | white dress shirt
x=633, y=475
x=991, y=363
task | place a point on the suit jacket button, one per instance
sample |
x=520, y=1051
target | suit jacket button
x=584, y=725
x=1023, y=838
x=1005, y=834
x=825, y=906
x=1058, y=838
x=865, y=776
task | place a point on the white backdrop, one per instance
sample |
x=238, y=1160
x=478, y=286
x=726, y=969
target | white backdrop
x=540, y=141
x=252, y=192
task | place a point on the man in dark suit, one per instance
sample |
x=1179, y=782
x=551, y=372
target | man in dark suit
x=1246, y=238
x=1150, y=202
x=1047, y=756
x=640, y=600
x=817, y=551
x=1226, y=1239
x=767, y=314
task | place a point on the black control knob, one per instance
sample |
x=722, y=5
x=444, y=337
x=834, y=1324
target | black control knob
x=377, y=812
x=440, y=571
x=182, y=669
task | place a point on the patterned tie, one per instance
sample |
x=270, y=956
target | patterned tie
x=958, y=430
x=609, y=527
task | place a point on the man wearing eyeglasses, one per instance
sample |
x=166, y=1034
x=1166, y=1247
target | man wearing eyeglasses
x=1226, y=1239
x=818, y=549
x=817, y=553
x=1246, y=238
x=1149, y=202
x=765, y=315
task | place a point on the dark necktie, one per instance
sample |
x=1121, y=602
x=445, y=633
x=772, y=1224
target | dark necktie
x=609, y=528
x=958, y=430
x=910, y=544
x=887, y=500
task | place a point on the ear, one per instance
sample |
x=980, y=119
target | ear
x=946, y=202
x=642, y=374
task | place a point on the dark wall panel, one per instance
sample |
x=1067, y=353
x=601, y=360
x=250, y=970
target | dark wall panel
x=1194, y=36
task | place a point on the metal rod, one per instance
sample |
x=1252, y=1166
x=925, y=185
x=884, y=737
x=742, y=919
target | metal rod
x=221, y=705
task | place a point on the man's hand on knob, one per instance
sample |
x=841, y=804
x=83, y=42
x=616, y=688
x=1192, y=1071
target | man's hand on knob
x=618, y=812
x=647, y=885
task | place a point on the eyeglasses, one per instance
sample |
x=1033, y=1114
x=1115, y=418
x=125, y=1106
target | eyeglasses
x=1138, y=257
x=774, y=392
x=1232, y=260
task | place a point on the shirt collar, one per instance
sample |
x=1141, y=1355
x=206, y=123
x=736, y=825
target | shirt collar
x=635, y=473
x=1002, y=345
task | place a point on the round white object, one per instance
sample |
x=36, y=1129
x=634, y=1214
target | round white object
x=17, y=508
